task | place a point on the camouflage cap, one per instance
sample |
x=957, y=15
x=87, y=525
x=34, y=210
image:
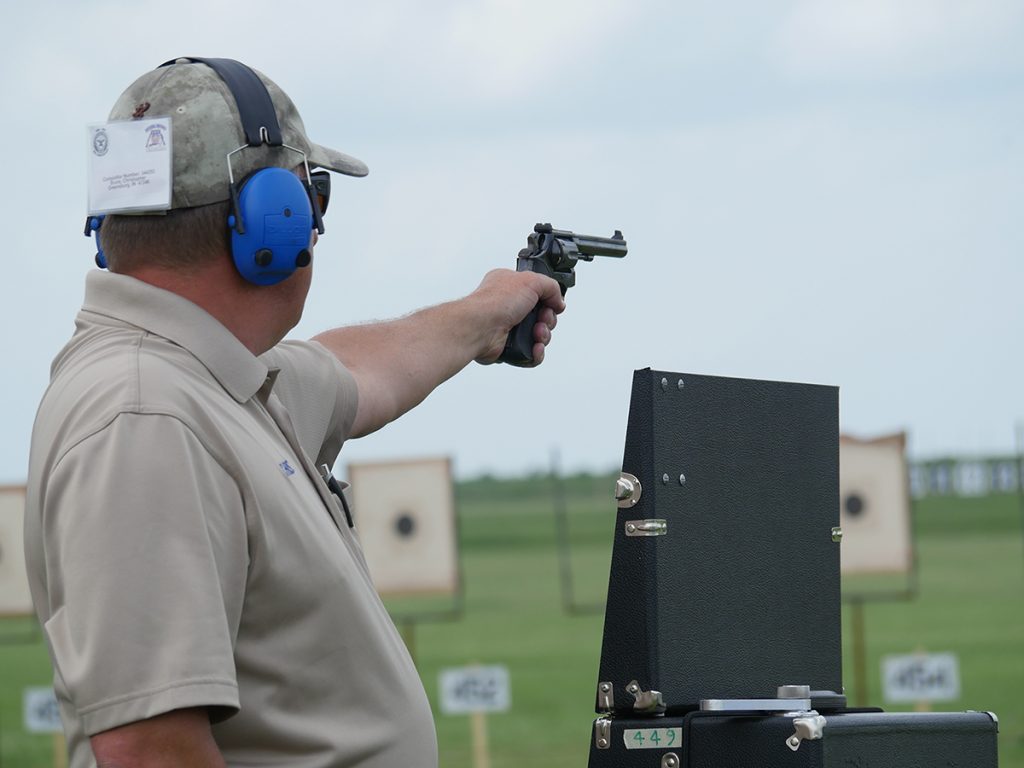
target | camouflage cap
x=206, y=126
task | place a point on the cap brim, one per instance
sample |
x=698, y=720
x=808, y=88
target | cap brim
x=333, y=160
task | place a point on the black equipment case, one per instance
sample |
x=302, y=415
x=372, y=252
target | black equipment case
x=722, y=642
x=725, y=576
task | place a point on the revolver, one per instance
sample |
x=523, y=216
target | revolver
x=553, y=252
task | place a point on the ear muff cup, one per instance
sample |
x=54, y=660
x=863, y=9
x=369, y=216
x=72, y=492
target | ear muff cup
x=271, y=235
x=92, y=227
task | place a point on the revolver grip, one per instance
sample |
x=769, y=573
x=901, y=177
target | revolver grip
x=519, y=344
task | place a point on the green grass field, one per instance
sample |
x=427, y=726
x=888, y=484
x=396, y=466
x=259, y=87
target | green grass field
x=969, y=601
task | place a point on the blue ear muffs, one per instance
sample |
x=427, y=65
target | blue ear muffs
x=92, y=226
x=271, y=226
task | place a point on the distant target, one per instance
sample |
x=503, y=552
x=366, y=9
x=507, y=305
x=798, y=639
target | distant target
x=874, y=505
x=405, y=517
x=15, y=598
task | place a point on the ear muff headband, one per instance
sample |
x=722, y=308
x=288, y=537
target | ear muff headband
x=270, y=205
x=255, y=107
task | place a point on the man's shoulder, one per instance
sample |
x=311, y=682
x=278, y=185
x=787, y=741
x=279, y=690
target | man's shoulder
x=128, y=364
x=297, y=354
x=306, y=368
x=103, y=373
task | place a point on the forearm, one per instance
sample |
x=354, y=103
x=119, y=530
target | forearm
x=170, y=740
x=396, y=364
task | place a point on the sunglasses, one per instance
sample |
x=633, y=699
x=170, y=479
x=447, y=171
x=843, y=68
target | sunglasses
x=320, y=182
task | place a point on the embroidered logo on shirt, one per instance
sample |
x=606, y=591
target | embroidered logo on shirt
x=286, y=469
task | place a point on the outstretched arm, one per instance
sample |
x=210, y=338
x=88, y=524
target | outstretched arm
x=396, y=364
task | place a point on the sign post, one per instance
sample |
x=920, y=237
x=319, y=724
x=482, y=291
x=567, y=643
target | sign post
x=475, y=691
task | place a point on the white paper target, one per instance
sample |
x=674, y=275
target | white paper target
x=874, y=511
x=15, y=599
x=404, y=513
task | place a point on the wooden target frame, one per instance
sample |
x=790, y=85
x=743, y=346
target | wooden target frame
x=875, y=506
x=404, y=513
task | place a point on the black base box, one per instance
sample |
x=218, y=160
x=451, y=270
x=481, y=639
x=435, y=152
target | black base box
x=839, y=740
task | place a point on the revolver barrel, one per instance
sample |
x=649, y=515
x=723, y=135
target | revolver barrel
x=590, y=246
x=586, y=246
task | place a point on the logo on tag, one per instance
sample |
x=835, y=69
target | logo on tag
x=100, y=143
x=286, y=468
x=156, y=140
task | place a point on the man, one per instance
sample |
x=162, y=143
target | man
x=204, y=597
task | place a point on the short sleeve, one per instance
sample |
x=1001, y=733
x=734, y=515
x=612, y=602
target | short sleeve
x=319, y=394
x=146, y=553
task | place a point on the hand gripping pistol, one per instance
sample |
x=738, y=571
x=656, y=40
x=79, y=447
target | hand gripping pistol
x=553, y=252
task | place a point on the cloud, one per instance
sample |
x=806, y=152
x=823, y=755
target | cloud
x=483, y=52
x=906, y=39
x=509, y=47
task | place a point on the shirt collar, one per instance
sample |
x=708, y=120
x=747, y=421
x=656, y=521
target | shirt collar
x=177, y=319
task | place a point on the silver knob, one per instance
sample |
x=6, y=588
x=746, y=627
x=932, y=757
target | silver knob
x=627, y=490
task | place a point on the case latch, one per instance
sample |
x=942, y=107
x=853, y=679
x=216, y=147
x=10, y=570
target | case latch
x=647, y=702
x=810, y=727
x=646, y=527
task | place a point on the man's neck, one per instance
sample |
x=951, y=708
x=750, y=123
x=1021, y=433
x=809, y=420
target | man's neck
x=221, y=292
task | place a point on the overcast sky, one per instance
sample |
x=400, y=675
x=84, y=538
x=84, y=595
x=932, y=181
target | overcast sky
x=826, y=192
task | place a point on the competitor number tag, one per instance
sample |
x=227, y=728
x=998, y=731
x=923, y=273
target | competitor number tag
x=130, y=166
x=652, y=738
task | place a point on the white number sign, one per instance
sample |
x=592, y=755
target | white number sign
x=474, y=689
x=42, y=713
x=921, y=677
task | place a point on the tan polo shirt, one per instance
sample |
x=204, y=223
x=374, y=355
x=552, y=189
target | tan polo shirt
x=183, y=551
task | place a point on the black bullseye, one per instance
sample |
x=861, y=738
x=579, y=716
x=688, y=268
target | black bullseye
x=405, y=525
x=854, y=505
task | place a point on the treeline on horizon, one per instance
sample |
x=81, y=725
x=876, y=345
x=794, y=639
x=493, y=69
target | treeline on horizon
x=998, y=513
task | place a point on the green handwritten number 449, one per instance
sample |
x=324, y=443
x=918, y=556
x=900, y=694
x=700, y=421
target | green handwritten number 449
x=652, y=738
